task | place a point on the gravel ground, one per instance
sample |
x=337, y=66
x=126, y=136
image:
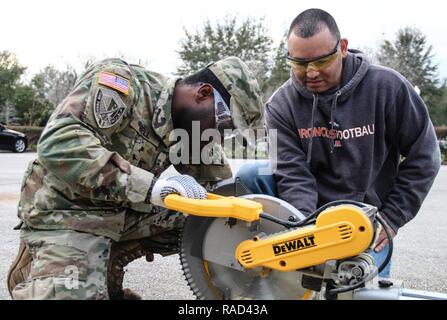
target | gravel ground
x=420, y=257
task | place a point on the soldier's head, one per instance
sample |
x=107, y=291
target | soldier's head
x=316, y=50
x=223, y=95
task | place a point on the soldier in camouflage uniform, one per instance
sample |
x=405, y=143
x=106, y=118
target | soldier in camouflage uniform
x=90, y=201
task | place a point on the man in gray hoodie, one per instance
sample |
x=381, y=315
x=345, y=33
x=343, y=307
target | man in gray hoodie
x=342, y=125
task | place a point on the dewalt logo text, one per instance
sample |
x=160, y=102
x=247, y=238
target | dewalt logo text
x=294, y=245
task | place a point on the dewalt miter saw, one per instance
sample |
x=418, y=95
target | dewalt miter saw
x=260, y=247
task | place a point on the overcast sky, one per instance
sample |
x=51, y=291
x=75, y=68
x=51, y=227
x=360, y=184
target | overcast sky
x=66, y=32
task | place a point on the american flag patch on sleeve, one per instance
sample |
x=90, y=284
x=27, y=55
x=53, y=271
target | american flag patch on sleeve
x=114, y=81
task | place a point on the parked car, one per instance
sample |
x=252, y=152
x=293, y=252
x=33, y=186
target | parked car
x=12, y=140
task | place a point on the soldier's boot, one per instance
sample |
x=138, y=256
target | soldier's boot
x=20, y=268
x=124, y=252
x=121, y=254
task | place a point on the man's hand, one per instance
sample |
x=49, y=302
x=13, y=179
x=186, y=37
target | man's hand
x=184, y=185
x=382, y=239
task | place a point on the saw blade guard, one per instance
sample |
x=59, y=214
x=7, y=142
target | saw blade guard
x=339, y=232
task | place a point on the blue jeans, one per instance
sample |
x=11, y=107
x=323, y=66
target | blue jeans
x=259, y=179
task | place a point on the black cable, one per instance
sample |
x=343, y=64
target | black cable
x=269, y=217
x=372, y=275
x=390, y=244
x=291, y=224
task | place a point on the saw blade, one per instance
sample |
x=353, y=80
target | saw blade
x=207, y=247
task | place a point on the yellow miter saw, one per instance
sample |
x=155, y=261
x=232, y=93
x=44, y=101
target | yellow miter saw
x=260, y=247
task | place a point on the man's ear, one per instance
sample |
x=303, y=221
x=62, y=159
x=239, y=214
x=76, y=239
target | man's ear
x=204, y=92
x=344, y=47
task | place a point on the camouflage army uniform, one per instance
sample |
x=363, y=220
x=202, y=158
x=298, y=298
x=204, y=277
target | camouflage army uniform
x=88, y=187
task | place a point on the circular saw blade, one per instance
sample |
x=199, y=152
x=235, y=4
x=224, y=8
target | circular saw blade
x=257, y=284
x=207, y=247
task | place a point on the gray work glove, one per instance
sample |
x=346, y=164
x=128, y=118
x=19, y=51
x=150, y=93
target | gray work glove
x=183, y=185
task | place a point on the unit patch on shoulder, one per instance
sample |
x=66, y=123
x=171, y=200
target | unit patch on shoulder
x=108, y=108
x=114, y=81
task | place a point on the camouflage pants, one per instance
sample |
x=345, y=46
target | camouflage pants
x=69, y=264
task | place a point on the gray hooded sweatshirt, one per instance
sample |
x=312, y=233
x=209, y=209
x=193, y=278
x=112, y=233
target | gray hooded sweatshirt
x=348, y=143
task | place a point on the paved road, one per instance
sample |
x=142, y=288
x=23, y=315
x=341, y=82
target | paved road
x=420, y=257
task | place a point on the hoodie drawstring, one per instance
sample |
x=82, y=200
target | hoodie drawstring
x=314, y=109
x=333, y=107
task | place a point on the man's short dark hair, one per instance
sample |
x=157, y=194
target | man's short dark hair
x=312, y=21
x=207, y=76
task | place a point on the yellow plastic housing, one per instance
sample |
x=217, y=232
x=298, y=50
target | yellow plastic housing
x=216, y=206
x=339, y=232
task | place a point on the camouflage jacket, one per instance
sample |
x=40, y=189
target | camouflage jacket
x=100, y=151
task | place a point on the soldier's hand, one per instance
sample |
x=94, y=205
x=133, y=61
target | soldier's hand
x=184, y=185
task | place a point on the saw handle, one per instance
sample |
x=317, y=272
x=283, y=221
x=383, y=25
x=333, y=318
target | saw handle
x=215, y=206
